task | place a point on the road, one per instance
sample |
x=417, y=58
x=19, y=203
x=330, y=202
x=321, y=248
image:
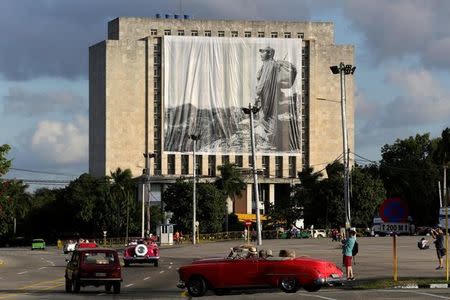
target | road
x=38, y=274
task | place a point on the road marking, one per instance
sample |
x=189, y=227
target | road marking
x=431, y=295
x=317, y=296
x=101, y=294
x=160, y=272
x=44, y=284
x=42, y=268
x=170, y=267
x=20, y=273
x=128, y=285
x=171, y=263
x=146, y=278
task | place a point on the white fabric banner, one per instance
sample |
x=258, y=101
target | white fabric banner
x=208, y=80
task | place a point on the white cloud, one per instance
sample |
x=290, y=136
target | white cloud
x=61, y=143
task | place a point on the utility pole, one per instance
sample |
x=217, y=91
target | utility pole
x=251, y=110
x=343, y=70
x=147, y=190
x=195, y=138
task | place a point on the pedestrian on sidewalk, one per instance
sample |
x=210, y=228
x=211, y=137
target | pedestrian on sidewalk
x=347, y=252
x=438, y=236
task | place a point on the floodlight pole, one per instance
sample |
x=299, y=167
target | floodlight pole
x=146, y=194
x=251, y=110
x=195, y=138
x=343, y=70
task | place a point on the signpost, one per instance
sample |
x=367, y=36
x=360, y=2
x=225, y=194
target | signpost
x=248, y=223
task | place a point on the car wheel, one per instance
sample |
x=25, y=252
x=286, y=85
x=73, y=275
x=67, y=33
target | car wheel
x=196, y=286
x=312, y=287
x=116, y=288
x=68, y=286
x=156, y=263
x=108, y=287
x=289, y=285
x=75, y=286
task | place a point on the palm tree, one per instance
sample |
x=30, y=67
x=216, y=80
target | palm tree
x=231, y=184
x=121, y=190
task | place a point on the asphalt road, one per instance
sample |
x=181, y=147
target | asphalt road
x=38, y=274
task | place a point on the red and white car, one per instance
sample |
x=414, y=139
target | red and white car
x=240, y=270
x=141, y=251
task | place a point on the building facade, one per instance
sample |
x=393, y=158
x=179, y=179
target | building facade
x=156, y=81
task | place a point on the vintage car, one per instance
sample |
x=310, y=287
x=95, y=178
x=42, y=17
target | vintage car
x=93, y=266
x=37, y=244
x=141, y=251
x=245, y=268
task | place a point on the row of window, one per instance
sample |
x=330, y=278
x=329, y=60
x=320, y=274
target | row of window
x=221, y=33
x=212, y=166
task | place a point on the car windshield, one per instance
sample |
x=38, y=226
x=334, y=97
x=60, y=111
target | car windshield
x=99, y=258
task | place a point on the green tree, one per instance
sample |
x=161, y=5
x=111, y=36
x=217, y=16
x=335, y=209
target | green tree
x=210, y=206
x=408, y=171
x=231, y=184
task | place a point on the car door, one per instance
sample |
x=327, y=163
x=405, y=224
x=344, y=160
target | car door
x=240, y=272
x=73, y=265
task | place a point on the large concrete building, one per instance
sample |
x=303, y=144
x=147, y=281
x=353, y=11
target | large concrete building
x=145, y=64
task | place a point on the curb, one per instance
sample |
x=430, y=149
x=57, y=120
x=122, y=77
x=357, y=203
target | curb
x=424, y=286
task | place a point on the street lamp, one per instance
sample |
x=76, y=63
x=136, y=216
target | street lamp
x=146, y=197
x=343, y=70
x=251, y=110
x=195, y=138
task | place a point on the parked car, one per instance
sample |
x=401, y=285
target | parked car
x=93, y=266
x=141, y=251
x=37, y=244
x=319, y=233
x=243, y=269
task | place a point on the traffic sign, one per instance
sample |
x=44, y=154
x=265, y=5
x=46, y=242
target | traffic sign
x=394, y=210
x=248, y=223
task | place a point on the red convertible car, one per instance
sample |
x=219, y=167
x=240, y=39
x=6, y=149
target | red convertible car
x=141, y=251
x=245, y=268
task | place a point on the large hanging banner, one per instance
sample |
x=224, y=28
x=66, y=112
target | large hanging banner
x=208, y=80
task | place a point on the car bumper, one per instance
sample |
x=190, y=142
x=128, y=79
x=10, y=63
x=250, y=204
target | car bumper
x=330, y=281
x=141, y=258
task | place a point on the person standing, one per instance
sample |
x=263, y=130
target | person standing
x=347, y=252
x=438, y=235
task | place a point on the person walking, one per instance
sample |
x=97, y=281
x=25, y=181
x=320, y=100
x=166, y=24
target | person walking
x=347, y=252
x=438, y=236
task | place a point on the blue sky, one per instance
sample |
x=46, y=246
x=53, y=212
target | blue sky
x=402, y=59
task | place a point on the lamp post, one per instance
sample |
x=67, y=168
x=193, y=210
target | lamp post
x=251, y=110
x=195, y=138
x=343, y=70
x=146, y=196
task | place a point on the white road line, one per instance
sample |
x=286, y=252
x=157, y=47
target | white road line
x=22, y=272
x=431, y=295
x=170, y=267
x=160, y=272
x=317, y=296
x=128, y=285
x=101, y=294
x=146, y=278
x=42, y=268
x=171, y=263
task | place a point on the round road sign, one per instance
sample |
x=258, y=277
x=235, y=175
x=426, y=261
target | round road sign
x=394, y=210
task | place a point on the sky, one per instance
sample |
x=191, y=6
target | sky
x=402, y=63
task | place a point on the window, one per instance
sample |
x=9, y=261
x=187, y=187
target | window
x=247, y=34
x=207, y=32
x=238, y=160
x=198, y=162
x=225, y=159
x=180, y=32
x=184, y=164
x=266, y=165
x=211, y=165
x=221, y=33
x=194, y=32
x=287, y=35
x=279, y=166
x=261, y=34
x=171, y=164
x=300, y=35
x=292, y=168
x=250, y=161
x=274, y=34
x=234, y=34
x=167, y=32
x=153, y=32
